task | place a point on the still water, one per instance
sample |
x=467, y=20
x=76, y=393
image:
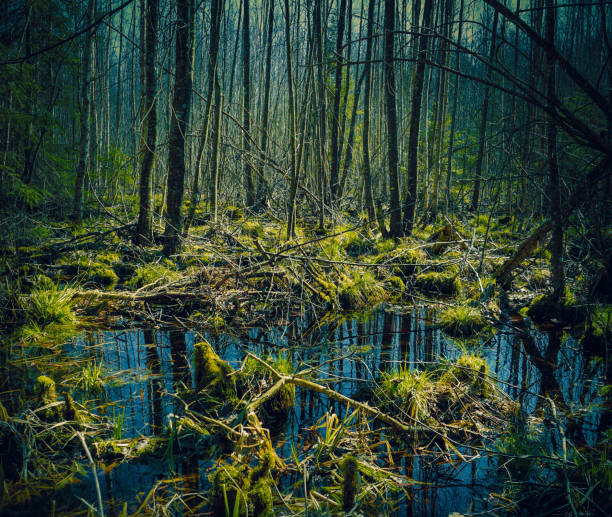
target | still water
x=147, y=366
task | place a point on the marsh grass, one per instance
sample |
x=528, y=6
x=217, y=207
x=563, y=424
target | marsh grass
x=461, y=321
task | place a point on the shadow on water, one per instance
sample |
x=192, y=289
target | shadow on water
x=147, y=366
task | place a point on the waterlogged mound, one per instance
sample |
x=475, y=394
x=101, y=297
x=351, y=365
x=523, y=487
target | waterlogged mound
x=458, y=397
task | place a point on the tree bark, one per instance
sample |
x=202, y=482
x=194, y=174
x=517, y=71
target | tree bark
x=335, y=154
x=181, y=104
x=77, y=209
x=249, y=180
x=483, y=120
x=415, y=121
x=291, y=209
x=395, y=228
x=367, y=106
x=144, y=229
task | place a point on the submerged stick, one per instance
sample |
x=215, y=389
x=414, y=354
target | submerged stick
x=93, y=468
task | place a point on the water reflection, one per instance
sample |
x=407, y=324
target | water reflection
x=150, y=365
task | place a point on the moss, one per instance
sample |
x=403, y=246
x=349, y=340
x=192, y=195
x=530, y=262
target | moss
x=395, y=286
x=362, y=290
x=545, y=308
x=46, y=389
x=211, y=373
x=230, y=487
x=539, y=279
x=108, y=257
x=472, y=371
x=461, y=321
x=235, y=213
x=350, y=477
x=356, y=244
x=70, y=411
x=101, y=275
x=217, y=322
x=148, y=274
x=439, y=282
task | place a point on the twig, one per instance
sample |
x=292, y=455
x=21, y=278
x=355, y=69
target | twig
x=95, y=473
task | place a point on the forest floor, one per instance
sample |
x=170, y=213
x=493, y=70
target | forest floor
x=241, y=274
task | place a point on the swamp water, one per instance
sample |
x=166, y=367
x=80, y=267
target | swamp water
x=145, y=368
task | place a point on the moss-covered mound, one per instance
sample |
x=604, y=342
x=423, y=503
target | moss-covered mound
x=440, y=282
x=211, y=373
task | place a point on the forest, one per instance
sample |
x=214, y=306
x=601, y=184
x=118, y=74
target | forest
x=305, y=257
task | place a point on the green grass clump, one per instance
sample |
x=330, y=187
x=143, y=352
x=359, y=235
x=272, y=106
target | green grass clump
x=101, y=275
x=47, y=314
x=108, y=257
x=461, y=321
x=212, y=373
x=545, y=308
x=441, y=282
x=413, y=391
x=470, y=370
x=362, y=290
x=157, y=273
x=356, y=244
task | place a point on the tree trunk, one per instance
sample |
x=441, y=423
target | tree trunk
x=291, y=211
x=216, y=12
x=367, y=106
x=181, y=103
x=261, y=194
x=321, y=101
x=77, y=210
x=249, y=180
x=395, y=229
x=335, y=155
x=144, y=229
x=483, y=120
x=415, y=121
x=556, y=247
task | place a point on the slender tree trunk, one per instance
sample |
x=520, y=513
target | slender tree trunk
x=249, y=180
x=77, y=209
x=483, y=120
x=367, y=107
x=291, y=208
x=216, y=12
x=415, y=121
x=181, y=103
x=144, y=228
x=261, y=194
x=451, y=143
x=556, y=251
x=216, y=139
x=335, y=155
x=321, y=102
x=395, y=229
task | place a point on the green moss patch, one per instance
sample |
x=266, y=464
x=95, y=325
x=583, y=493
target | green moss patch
x=440, y=282
x=211, y=373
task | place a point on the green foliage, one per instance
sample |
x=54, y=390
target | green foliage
x=404, y=259
x=90, y=379
x=439, y=282
x=461, y=321
x=252, y=228
x=48, y=304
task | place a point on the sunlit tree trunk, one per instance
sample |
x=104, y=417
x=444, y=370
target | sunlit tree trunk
x=249, y=180
x=291, y=208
